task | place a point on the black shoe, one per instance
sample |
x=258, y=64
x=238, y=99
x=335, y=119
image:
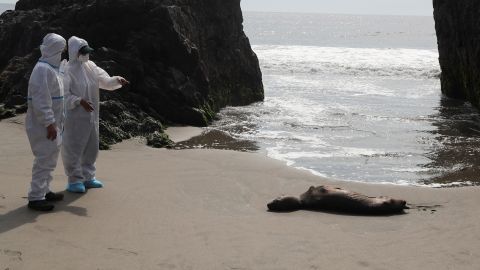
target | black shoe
x=42, y=205
x=53, y=197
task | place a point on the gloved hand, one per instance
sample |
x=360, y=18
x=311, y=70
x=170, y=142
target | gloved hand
x=52, y=132
x=123, y=81
x=88, y=106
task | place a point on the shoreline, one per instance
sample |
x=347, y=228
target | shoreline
x=186, y=137
x=206, y=209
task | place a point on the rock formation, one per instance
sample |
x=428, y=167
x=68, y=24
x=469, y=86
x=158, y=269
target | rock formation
x=458, y=31
x=185, y=59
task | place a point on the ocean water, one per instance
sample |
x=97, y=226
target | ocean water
x=356, y=98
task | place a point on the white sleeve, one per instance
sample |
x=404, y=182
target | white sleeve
x=105, y=81
x=71, y=100
x=40, y=96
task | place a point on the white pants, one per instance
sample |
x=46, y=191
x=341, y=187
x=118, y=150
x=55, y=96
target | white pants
x=80, y=152
x=46, y=153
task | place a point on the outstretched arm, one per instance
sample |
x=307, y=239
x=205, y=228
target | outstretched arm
x=109, y=83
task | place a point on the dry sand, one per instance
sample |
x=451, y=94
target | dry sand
x=205, y=209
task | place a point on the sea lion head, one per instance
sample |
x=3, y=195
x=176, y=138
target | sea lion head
x=284, y=204
x=393, y=205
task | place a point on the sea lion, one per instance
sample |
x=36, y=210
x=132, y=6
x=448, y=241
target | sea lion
x=336, y=199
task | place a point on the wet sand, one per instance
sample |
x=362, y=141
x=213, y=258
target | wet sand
x=179, y=134
x=212, y=139
x=206, y=209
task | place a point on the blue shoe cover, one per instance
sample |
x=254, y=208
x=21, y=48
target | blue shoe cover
x=94, y=183
x=76, y=188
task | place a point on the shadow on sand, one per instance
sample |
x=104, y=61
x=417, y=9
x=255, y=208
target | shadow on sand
x=22, y=215
x=343, y=213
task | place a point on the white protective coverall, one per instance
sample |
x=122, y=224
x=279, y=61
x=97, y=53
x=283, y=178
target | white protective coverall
x=45, y=107
x=81, y=135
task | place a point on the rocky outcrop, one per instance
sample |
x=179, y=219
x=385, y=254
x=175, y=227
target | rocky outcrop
x=457, y=25
x=185, y=59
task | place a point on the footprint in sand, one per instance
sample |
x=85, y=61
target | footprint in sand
x=122, y=251
x=17, y=122
x=176, y=263
x=167, y=266
x=43, y=229
x=13, y=254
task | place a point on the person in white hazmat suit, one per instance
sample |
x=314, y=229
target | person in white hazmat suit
x=44, y=121
x=82, y=96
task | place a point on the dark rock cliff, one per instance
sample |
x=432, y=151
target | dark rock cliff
x=185, y=59
x=457, y=25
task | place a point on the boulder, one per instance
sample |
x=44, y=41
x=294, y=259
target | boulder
x=457, y=24
x=185, y=59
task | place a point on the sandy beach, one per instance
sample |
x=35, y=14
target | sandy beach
x=206, y=209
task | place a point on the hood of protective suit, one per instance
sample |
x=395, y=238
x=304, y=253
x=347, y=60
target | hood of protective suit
x=52, y=48
x=74, y=45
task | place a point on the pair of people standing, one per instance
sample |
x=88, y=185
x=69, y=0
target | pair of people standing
x=63, y=109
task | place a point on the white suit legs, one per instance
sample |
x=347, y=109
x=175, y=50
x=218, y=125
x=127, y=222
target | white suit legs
x=46, y=156
x=90, y=156
x=80, y=150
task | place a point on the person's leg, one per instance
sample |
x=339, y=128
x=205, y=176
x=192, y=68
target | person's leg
x=45, y=161
x=74, y=143
x=88, y=161
x=43, y=166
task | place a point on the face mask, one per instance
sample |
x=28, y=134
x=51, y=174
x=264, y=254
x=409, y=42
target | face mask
x=83, y=58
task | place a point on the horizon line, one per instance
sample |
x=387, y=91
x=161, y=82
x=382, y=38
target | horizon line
x=339, y=13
